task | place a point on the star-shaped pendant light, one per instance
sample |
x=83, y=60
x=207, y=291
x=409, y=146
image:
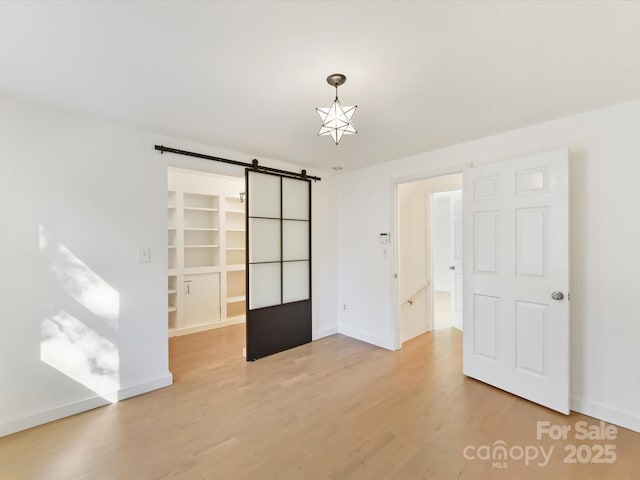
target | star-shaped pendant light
x=336, y=119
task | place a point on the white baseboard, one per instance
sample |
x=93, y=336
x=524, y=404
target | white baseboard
x=40, y=418
x=602, y=412
x=46, y=416
x=365, y=337
x=145, y=387
x=174, y=332
x=318, y=334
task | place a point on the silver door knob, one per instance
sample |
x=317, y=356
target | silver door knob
x=452, y=267
x=557, y=295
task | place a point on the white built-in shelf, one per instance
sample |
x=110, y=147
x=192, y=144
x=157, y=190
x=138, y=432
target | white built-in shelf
x=239, y=298
x=202, y=269
x=202, y=209
x=239, y=267
x=201, y=242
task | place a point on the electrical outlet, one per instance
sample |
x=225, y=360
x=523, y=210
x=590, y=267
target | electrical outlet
x=144, y=255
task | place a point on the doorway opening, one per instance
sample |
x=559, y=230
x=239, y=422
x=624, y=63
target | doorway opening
x=206, y=259
x=429, y=255
x=446, y=235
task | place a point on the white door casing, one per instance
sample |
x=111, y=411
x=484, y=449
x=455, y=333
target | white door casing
x=456, y=236
x=516, y=254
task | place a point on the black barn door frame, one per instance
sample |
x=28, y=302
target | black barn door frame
x=280, y=327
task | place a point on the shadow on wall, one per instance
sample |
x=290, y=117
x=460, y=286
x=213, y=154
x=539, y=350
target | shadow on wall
x=84, y=351
x=578, y=222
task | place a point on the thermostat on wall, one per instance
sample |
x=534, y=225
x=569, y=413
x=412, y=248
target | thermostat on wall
x=384, y=238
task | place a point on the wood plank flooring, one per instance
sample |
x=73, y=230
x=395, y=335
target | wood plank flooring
x=330, y=410
x=441, y=309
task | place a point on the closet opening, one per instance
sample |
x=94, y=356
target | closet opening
x=206, y=278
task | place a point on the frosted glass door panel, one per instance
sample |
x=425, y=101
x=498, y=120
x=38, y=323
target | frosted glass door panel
x=295, y=199
x=295, y=240
x=278, y=263
x=264, y=287
x=265, y=195
x=295, y=281
x=264, y=240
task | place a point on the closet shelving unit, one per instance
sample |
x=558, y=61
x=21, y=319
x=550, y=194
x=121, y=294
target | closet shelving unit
x=235, y=255
x=206, y=269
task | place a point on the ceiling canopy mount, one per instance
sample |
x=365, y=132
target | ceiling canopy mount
x=336, y=79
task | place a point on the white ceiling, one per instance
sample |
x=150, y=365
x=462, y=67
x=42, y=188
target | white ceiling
x=247, y=75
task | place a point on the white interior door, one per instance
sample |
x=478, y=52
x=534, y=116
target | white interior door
x=456, y=236
x=516, y=282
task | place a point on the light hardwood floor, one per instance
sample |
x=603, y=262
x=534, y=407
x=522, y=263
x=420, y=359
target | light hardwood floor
x=441, y=309
x=333, y=409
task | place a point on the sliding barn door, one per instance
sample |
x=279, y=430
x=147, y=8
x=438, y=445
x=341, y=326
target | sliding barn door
x=278, y=263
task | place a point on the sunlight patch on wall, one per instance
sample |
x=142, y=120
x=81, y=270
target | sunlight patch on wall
x=83, y=349
x=79, y=281
x=76, y=350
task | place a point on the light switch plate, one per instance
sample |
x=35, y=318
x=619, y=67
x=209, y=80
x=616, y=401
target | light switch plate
x=144, y=255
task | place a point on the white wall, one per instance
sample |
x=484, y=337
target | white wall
x=413, y=258
x=605, y=167
x=83, y=322
x=412, y=238
x=208, y=183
